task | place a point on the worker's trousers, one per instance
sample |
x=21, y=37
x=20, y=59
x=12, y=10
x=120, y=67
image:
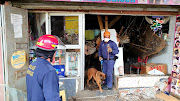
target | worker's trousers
x=108, y=66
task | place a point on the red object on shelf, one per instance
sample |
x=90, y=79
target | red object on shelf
x=140, y=61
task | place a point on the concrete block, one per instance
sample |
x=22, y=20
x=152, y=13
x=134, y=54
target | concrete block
x=138, y=81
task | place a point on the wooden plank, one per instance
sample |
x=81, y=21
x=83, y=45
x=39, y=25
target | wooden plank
x=165, y=97
x=100, y=22
x=175, y=95
x=120, y=32
x=136, y=12
x=106, y=23
x=114, y=21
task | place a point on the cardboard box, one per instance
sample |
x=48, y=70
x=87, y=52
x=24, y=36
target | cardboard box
x=156, y=67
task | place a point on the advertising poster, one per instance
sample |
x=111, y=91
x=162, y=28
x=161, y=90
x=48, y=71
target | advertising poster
x=175, y=84
x=18, y=59
x=71, y=24
x=16, y=20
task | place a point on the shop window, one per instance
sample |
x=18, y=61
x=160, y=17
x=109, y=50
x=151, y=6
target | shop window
x=68, y=56
x=73, y=61
x=66, y=28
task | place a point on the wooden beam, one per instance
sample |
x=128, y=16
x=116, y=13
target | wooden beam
x=114, y=21
x=100, y=22
x=136, y=12
x=120, y=32
x=106, y=23
x=120, y=12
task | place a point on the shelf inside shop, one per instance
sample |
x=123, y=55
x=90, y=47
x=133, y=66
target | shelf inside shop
x=73, y=46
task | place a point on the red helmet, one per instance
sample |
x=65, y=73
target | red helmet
x=47, y=42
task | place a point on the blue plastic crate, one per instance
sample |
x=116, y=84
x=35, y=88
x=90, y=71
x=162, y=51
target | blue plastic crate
x=60, y=70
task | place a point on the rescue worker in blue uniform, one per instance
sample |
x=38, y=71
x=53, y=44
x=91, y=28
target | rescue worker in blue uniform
x=107, y=51
x=42, y=80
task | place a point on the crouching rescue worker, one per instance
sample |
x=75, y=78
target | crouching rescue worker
x=107, y=51
x=42, y=80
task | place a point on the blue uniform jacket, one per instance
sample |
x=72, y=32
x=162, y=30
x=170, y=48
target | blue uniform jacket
x=103, y=49
x=42, y=82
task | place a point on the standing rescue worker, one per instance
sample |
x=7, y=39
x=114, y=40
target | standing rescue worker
x=107, y=51
x=42, y=80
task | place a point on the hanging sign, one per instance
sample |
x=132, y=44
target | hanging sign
x=152, y=2
x=18, y=59
x=156, y=24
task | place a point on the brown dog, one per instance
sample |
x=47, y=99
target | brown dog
x=95, y=75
